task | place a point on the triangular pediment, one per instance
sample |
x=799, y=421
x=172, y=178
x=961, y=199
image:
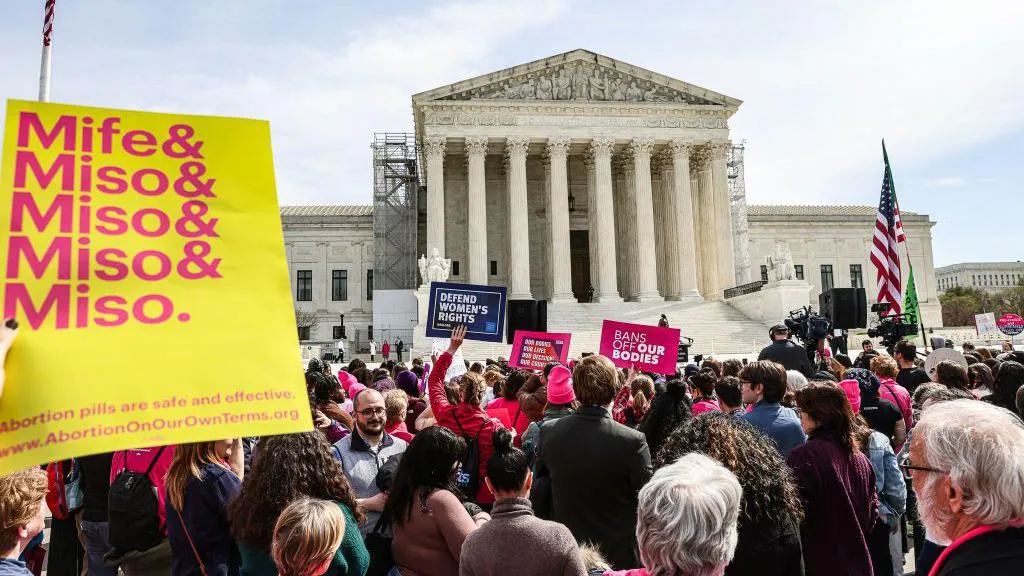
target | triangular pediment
x=575, y=76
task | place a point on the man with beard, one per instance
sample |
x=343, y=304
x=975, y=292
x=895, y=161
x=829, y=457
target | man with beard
x=967, y=460
x=365, y=451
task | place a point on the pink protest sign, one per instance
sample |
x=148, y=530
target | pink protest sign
x=649, y=348
x=534, y=350
x=1011, y=324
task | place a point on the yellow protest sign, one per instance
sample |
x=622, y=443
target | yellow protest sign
x=144, y=260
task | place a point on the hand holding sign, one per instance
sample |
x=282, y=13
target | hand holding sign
x=458, y=335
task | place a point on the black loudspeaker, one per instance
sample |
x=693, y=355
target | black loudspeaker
x=522, y=315
x=542, y=316
x=845, y=307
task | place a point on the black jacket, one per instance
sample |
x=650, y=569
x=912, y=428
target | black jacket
x=767, y=547
x=999, y=553
x=788, y=353
x=592, y=469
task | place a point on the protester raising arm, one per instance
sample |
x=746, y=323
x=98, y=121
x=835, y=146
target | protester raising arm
x=438, y=401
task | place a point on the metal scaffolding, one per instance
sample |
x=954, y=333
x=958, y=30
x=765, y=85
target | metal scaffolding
x=396, y=184
x=738, y=203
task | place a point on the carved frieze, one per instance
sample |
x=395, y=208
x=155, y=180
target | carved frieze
x=578, y=81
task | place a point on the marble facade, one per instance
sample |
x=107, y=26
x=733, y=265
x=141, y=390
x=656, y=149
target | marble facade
x=579, y=177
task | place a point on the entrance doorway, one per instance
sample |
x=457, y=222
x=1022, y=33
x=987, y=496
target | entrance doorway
x=579, y=256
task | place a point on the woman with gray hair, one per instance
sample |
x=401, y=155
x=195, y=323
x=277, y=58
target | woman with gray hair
x=686, y=519
x=967, y=459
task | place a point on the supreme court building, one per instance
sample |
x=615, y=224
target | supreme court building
x=579, y=178
x=599, y=187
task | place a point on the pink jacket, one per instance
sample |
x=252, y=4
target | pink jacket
x=899, y=396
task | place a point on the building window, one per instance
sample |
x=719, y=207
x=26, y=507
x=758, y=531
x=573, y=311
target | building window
x=826, y=277
x=369, y=332
x=799, y=268
x=339, y=285
x=369, y=284
x=856, y=277
x=304, y=286
x=764, y=273
x=336, y=333
x=303, y=332
x=494, y=267
x=455, y=267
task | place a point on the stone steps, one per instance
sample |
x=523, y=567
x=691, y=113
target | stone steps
x=716, y=327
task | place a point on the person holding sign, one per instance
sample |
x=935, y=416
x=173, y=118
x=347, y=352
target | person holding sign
x=466, y=419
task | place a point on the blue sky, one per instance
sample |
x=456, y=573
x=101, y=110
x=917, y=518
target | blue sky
x=822, y=82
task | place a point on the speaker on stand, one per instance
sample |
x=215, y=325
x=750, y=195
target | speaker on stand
x=522, y=315
x=846, y=308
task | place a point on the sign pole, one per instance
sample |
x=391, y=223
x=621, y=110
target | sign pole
x=46, y=62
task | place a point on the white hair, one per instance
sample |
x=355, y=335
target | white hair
x=982, y=447
x=686, y=519
x=795, y=379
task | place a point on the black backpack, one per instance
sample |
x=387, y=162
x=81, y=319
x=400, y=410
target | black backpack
x=133, y=509
x=467, y=475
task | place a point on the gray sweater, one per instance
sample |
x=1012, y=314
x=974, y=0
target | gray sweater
x=497, y=548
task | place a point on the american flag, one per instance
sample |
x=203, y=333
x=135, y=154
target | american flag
x=48, y=21
x=888, y=235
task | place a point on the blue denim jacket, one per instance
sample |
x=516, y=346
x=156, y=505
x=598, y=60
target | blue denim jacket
x=779, y=423
x=889, y=483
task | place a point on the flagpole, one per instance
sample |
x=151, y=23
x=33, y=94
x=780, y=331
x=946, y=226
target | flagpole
x=46, y=62
x=906, y=246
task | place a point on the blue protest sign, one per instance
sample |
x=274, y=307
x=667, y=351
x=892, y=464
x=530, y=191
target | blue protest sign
x=480, y=308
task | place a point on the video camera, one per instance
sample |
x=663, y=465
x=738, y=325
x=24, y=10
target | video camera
x=808, y=327
x=893, y=328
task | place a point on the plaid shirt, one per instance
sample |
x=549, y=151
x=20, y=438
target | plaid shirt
x=623, y=400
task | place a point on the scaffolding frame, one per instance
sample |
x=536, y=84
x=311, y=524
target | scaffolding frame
x=738, y=203
x=396, y=186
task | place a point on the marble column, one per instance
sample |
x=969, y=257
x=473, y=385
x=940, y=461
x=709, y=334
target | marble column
x=592, y=230
x=626, y=233
x=518, y=217
x=686, y=255
x=671, y=255
x=605, y=290
x=560, y=262
x=706, y=226
x=661, y=225
x=643, y=203
x=476, y=154
x=433, y=149
x=695, y=208
x=723, y=214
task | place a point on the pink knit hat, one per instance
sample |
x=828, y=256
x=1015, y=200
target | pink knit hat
x=354, y=390
x=347, y=380
x=852, y=389
x=560, y=386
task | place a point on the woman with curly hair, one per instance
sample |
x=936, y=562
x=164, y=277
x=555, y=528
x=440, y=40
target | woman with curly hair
x=668, y=411
x=770, y=514
x=287, y=468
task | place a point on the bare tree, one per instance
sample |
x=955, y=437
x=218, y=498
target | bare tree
x=306, y=319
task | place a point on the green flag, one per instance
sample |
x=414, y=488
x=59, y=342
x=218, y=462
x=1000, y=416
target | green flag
x=910, y=301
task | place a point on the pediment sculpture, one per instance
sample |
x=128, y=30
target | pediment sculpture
x=578, y=81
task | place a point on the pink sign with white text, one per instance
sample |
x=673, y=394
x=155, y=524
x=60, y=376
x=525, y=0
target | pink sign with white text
x=534, y=350
x=648, y=348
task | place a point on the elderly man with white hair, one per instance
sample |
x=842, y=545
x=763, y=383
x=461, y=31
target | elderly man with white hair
x=967, y=462
x=686, y=519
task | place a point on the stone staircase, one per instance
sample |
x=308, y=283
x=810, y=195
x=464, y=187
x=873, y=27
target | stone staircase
x=716, y=327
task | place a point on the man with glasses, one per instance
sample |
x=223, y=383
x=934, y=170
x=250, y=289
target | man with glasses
x=364, y=452
x=967, y=462
x=763, y=385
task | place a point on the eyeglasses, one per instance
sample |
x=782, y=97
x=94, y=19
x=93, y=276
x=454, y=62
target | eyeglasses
x=908, y=468
x=373, y=412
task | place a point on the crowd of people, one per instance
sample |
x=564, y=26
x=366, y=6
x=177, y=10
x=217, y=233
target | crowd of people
x=781, y=466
